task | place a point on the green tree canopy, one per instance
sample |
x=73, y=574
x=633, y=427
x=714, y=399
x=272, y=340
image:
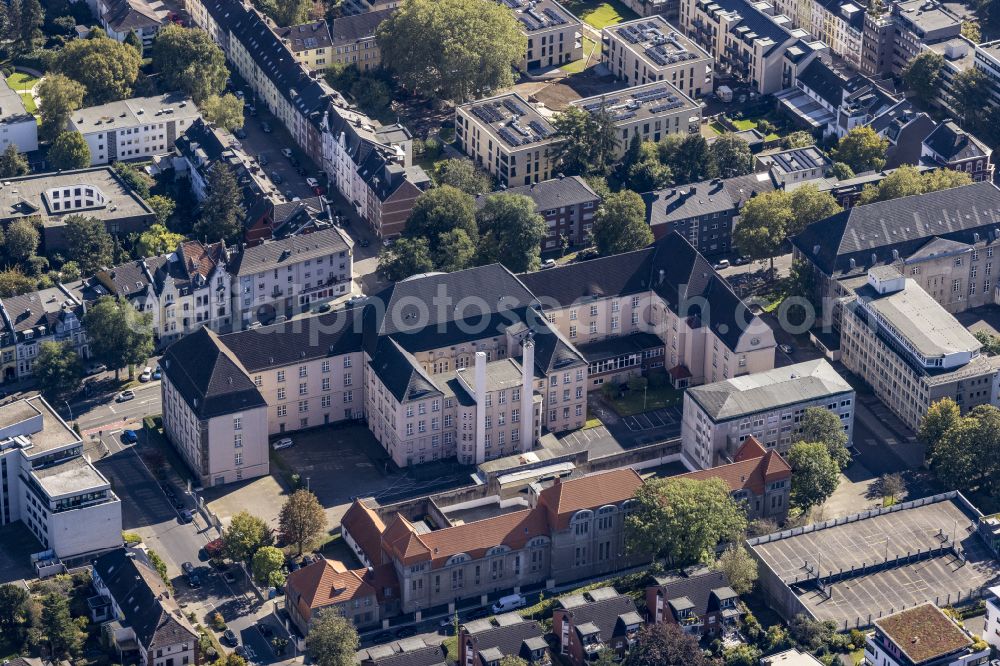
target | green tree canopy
x=105, y=67
x=22, y=240
x=266, y=565
x=732, y=156
x=14, y=606
x=740, y=568
x=407, y=256
x=163, y=206
x=13, y=282
x=57, y=370
x=245, y=535
x=440, y=210
x=810, y=205
x=88, y=243
x=332, y=639
x=763, y=225
x=588, y=142
x=462, y=174
x=225, y=111
x=510, y=232
x=221, y=215
x=940, y=417
x=821, y=425
x=620, y=224
x=58, y=97
x=69, y=151
x=285, y=12
x=13, y=163
x=302, y=519
x=665, y=644
x=861, y=149
x=455, y=49
x=923, y=75
x=63, y=636
x=688, y=157
x=189, y=60
x=119, y=335
x=649, y=175
x=455, y=251
x=157, y=240
x=907, y=181
x=968, y=90
x=815, y=475
x=684, y=519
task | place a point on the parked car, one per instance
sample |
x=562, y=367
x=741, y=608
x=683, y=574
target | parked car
x=381, y=637
x=283, y=443
x=276, y=178
x=788, y=349
x=229, y=638
x=147, y=374
x=722, y=264
x=549, y=263
x=356, y=300
x=187, y=568
x=301, y=170
x=287, y=152
x=187, y=515
x=741, y=261
x=157, y=374
x=125, y=396
x=265, y=127
x=95, y=368
x=240, y=133
x=508, y=603
x=312, y=182
x=130, y=436
x=406, y=632
x=262, y=160
x=293, y=161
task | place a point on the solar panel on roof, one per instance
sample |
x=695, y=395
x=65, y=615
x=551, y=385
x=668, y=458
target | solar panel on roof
x=513, y=107
x=554, y=16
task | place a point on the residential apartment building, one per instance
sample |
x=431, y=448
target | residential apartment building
x=555, y=36
x=489, y=640
x=120, y=18
x=133, y=129
x=877, y=34
x=506, y=136
x=352, y=7
x=406, y=652
x=141, y=617
x=193, y=289
x=951, y=147
x=353, y=39
x=567, y=205
x=704, y=213
x=789, y=168
x=310, y=44
x=959, y=56
x=588, y=623
x=922, y=636
x=986, y=58
x=700, y=601
x=893, y=38
x=837, y=23
x=768, y=406
x=912, y=352
x=651, y=50
x=991, y=622
x=651, y=111
x=327, y=584
x=50, y=486
x=290, y=275
x=47, y=315
x=17, y=126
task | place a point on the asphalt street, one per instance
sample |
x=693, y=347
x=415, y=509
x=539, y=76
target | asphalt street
x=145, y=403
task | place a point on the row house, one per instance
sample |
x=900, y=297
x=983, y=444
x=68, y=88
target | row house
x=310, y=44
x=837, y=23
x=353, y=39
x=193, y=289
x=48, y=315
x=489, y=641
x=951, y=147
x=700, y=601
x=651, y=50
x=407, y=652
x=595, y=622
x=327, y=584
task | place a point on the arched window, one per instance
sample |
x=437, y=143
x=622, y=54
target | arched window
x=581, y=522
x=457, y=559
x=605, y=517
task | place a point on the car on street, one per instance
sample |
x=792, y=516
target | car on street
x=276, y=178
x=322, y=307
x=95, y=368
x=229, y=638
x=147, y=374
x=355, y=300
x=262, y=160
x=381, y=637
x=406, y=632
x=265, y=127
x=125, y=396
x=312, y=182
x=187, y=515
x=741, y=261
x=157, y=373
x=130, y=436
x=478, y=614
x=283, y=443
x=722, y=265
x=287, y=152
x=240, y=133
x=187, y=568
x=788, y=349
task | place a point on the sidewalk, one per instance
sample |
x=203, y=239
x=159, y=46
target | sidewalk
x=880, y=420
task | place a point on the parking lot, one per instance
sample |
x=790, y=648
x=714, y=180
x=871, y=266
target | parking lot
x=659, y=418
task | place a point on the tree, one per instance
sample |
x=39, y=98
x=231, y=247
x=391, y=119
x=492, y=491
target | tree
x=842, y=172
x=891, y=485
x=13, y=163
x=588, y=141
x=105, y=67
x=88, y=243
x=763, y=225
x=157, y=240
x=135, y=178
x=63, y=635
x=245, y=535
x=688, y=157
x=815, y=474
x=649, y=175
x=740, y=568
x=944, y=179
x=809, y=633
x=371, y=93
x=133, y=40
x=189, y=60
x=226, y=111
x=162, y=206
x=454, y=49
x=30, y=16
x=990, y=343
x=119, y=335
x=332, y=639
x=301, y=519
x=941, y=416
x=511, y=232
x=285, y=12
x=620, y=224
x=922, y=75
x=798, y=139
x=665, y=644
x=442, y=209
x=13, y=283
x=810, y=205
x=861, y=149
x=69, y=151
x=821, y=425
x=968, y=90
x=732, y=156
x=955, y=457
x=742, y=655
x=406, y=257
x=513, y=660
x=58, y=97
x=685, y=519
x=455, y=251
x=22, y=240
x=903, y=182
x=267, y=563
x=462, y=174
x=14, y=603
x=221, y=215
x=58, y=370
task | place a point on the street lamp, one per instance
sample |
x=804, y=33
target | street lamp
x=70, y=410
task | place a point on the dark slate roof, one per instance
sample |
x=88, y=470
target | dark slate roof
x=618, y=274
x=348, y=29
x=422, y=655
x=509, y=636
x=704, y=198
x=400, y=372
x=130, y=280
x=903, y=224
x=603, y=613
x=128, y=15
x=46, y=307
x=757, y=21
x=294, y=213
x=554, y=193
x=306, y=36
x=143, y=598
x=698, y=586
x=828, y=84
x=288, y=251
x=208, y=376
x=952, y=143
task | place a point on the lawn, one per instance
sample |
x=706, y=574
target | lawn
x=717, y=127
x=600, y=13
x=18, y=82
x=637, y=402
x=591, y=53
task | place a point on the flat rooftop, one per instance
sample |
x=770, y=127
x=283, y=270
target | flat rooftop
x=959, y=52
x=511, y=120
x=69, y=477
x=55, y=434
x=884, y=537
x=658, y=42
x=110, y=199
x=134, y=112
x=796, y=159
x=536, y=15
x=928, y=16
x=11, y=105
x=500, y=375
x=641, y=102
x=923, y=633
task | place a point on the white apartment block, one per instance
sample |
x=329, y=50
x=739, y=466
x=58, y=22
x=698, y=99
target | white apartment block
x=133, y=129
x=49, y=485
x=837, y=23
x=650, y=49
x=555, y=36
x=991, y=621
x=922, y=636
x=768, y=406
x=17, y=126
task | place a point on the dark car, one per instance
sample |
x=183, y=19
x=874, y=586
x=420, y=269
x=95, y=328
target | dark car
x=265, y=629
x=230, y=638
x=406, y=632
x=262, y=159
x=240, y=133
x=265, y=128
x=276, y=178
x=478, y=614
x=381, y=637
x=130, y=436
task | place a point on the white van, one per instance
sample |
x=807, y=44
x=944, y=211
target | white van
x=508, y=603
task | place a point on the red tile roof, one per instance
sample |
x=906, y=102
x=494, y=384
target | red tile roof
x=513, y=530
x=564, y=498
x=366, y=528
x=753, y=470
x=321, y=584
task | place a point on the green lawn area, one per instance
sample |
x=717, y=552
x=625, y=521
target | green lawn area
x=600, y=13
x=591, y=53
x=717, y=127
x=635, y=402
x=19, y=81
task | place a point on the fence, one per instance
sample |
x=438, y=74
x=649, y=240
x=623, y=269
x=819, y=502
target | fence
x=951, y=599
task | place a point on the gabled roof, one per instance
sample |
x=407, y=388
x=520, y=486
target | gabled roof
x=705, y=198
x=401, y=374
x=508, y=636
x=702, y=587
x=306, y=36
x=952, y=143
x=513, y=530
x=822, y=80
x=602, y=608
x=752, y=470
x=348, y=29
x=365, y=527
x=321, y=584
x=937, y=247
x=553, y=193
x=288, y=251
x=208, y=376
x=564, y=498
x=124, y=16
x=616, y=275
